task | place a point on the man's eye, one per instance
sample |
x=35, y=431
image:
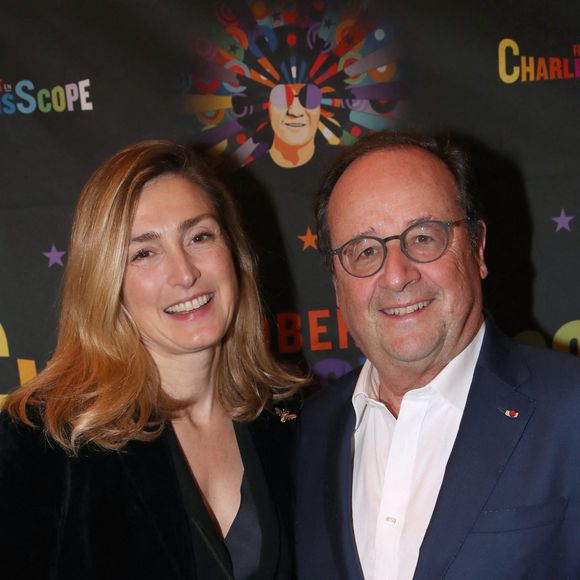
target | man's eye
x=362, y=252
x=367, y=253
x=423, y=240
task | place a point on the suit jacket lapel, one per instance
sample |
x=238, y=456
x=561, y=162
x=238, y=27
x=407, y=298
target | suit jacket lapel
x=269, y=523
x=340, y=521
x=150, y=469
x=484, y=444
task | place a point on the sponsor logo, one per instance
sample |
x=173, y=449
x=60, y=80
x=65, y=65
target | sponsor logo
x=25, y=97
x=513, y=66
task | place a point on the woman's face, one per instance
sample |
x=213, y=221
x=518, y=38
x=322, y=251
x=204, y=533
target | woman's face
x=180, y=285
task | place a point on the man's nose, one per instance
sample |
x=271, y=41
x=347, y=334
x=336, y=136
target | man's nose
x=398, y=271
x=296, y=109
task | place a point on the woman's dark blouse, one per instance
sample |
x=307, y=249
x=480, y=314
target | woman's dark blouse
x=240, y=556
x=122, y=515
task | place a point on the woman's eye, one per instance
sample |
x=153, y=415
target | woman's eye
x=141, y=255
x=203, y=237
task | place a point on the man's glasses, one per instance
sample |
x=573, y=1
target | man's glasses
x=282, y=96
x=423, y=242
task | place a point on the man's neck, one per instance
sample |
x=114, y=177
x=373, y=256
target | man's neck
x=286, y=155
x=394, y=384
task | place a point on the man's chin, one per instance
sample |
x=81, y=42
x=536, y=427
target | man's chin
x=295, y=141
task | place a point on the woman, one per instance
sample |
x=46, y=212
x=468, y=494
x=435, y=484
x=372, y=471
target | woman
x=131, y=455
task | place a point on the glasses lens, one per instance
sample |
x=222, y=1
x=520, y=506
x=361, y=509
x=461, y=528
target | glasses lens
x=425, y=242
x=363, y=256
x=310, y=96
x=282, y=96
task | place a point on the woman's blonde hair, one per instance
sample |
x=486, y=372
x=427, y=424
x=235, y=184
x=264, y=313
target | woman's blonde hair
x=101, y=386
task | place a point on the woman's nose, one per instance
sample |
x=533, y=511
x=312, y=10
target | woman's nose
x=182, y=269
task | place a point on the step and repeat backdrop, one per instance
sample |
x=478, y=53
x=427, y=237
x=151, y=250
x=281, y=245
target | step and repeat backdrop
x=81, y=80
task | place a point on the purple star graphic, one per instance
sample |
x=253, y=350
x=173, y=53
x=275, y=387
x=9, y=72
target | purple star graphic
x=54, y=256
x=563, y=221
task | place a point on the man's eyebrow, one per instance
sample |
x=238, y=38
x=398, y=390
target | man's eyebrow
x=183, y=227
x=373, y=232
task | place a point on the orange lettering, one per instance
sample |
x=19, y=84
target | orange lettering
x=527, y=72
x=289, y=337
x=568, y=74
x=555, y=65
x=317, y=329
x=576, y=49
x=542, y=72
x=342, y=330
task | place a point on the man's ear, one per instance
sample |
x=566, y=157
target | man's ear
x=480, y=250
x=336, y=293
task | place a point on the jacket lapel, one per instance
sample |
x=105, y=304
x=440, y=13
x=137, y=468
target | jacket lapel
x=485, y=441
x=150, y=469
x=271, y=532
x=339, y=520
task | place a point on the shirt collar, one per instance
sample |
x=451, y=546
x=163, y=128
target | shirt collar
x=452, y=383
x=366, y=391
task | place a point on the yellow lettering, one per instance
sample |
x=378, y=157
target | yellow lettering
x=4, y=351
x=26, y=369
x=504, y=75
x=567, y=337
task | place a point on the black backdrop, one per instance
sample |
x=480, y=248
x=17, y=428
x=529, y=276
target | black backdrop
x=80, y=80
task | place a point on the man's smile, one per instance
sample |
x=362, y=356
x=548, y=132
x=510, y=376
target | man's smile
x=404, y=310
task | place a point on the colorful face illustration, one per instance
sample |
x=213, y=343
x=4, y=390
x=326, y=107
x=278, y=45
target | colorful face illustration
x=294, y=114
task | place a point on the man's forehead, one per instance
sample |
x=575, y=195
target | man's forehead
x=404, y=157
x=392, y=189
x=404, y=168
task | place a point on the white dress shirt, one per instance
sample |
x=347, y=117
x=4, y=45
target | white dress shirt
x=399, y=464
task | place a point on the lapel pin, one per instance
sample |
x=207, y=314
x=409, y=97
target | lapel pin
x=511, y=413
x=285, y=415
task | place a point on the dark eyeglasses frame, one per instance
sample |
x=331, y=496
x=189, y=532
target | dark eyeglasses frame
x=383, y=242
x=305, y=95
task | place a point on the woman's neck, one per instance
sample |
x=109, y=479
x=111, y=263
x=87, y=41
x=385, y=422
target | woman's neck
x=190, y=378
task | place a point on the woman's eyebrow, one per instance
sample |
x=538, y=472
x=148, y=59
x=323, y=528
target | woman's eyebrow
x=191, y=222
x=146, y=237
x=183, y=227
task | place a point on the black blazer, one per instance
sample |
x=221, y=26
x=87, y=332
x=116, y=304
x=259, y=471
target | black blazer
x=120, y=515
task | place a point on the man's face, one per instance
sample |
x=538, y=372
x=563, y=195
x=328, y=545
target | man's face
x=294, y=113
x=407, y=315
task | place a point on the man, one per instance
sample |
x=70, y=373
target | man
x=453, y=453
x=294, y=112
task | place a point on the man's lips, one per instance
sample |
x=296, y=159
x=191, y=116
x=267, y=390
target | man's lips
x=404, y=310
x=189, y=305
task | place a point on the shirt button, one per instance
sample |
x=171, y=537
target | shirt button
x=391, y=520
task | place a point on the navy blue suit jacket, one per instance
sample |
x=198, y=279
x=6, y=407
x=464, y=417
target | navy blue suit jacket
x=509, y=505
